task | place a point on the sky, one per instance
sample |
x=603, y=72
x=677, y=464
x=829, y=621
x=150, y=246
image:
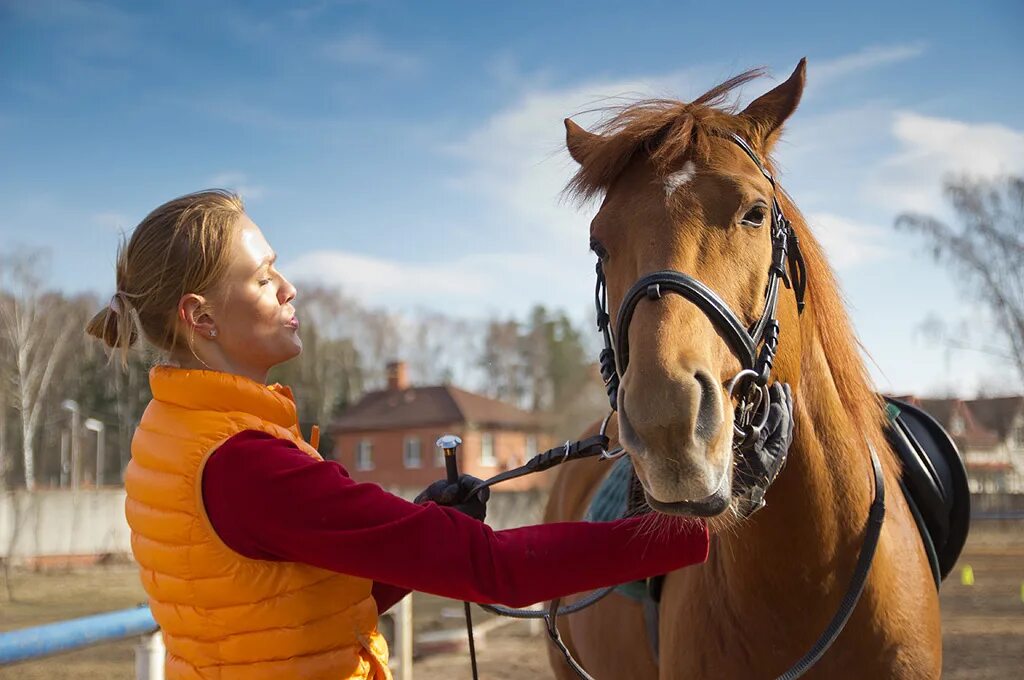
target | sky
x=412, y=153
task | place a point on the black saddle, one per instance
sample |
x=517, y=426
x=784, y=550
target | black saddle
x=934, y=482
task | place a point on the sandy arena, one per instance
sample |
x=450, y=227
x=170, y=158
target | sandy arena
x=983, y=624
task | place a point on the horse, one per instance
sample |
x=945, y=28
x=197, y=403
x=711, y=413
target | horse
x=679, y=194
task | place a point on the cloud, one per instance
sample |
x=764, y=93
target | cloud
x=515, y=160
x=111, y=221
x=848, y=242
x=931, y=149
x=361, y=49
x=239, y=183
x=468, y=285
x=823, y=72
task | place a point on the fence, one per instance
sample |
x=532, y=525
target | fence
x=65, y=636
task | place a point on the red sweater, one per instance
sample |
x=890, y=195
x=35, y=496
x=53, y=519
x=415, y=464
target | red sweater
x=268, y=500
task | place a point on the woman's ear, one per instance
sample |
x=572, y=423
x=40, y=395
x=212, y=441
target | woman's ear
x=193, y=313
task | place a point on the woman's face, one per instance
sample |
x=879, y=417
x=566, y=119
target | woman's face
x=251, y=310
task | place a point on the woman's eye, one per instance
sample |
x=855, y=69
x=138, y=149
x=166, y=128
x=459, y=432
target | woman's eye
x=754, y=217
x=264, y=282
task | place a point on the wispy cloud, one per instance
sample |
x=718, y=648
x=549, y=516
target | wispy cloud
x=304, y=12
x=100, y=31
x=515, y=160
x=239, y=183
x=848, y=242
x=866, y=59
x=111, y=221
x=931, y=149
x=470, y=284
x=365, y=50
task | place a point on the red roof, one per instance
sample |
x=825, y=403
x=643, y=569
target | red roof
x=997, y=413
x=433, y=405
x=985, y=422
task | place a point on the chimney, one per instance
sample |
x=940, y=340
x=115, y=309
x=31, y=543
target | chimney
x=398, y=376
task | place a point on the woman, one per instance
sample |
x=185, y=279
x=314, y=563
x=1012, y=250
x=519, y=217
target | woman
x=260, y=559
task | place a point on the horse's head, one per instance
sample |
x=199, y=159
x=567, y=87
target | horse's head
x=680, y=195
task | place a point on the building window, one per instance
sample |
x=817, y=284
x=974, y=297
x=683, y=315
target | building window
x=487, y=456
x=364, y=455
x=531, y=448
x=412, y=452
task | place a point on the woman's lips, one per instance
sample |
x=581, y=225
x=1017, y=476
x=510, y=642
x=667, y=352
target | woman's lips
x=293, y=322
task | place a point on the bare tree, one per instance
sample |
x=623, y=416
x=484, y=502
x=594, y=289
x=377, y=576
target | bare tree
x=6, y=384
x=38, y=328
x=986, y=248
x=327, y=375
x=501, y=361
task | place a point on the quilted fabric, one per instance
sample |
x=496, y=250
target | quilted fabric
x=224, y=615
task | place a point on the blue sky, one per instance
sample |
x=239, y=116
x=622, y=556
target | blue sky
x=411, y=152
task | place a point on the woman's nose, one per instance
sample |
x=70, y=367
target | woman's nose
x=287, y=290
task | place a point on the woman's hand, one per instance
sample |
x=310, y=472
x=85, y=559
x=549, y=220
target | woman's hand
x=762, y=462
x=456, y=495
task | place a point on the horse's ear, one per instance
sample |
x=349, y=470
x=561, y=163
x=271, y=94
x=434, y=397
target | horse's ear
x=768, y=112
x=579, y=141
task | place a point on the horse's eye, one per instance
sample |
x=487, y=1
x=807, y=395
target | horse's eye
x=754, y=217
x=598, y=249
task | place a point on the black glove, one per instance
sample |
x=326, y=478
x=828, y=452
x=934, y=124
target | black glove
x=761, y=462
x=455, y=495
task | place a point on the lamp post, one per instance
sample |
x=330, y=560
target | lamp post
x=98, y=427
x=65, y=464
x=71, y=406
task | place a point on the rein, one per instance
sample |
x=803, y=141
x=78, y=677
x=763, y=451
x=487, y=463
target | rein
x=755, y=346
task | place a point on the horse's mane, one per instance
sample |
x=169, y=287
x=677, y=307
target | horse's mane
x=858, y=398
x=667, y=131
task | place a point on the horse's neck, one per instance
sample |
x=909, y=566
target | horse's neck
x=809, y=533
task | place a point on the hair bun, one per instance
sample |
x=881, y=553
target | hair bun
x=114, y=325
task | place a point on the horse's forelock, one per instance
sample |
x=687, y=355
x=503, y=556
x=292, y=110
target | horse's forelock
x=665, y=130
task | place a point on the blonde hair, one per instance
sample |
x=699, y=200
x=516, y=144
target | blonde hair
x=181, y=247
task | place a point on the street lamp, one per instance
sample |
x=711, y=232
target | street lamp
x=98, y=427
x=71, y=406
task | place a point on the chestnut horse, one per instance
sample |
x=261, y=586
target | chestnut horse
x=678, y=194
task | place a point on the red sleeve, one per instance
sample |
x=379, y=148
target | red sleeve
x=269, y=500
x=387, y=595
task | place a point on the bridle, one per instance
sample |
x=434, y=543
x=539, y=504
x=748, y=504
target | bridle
x=755, y=346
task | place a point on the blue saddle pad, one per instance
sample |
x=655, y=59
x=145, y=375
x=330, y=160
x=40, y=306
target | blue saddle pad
x=609, y=504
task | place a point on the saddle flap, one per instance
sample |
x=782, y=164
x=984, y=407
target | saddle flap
x=935, y=480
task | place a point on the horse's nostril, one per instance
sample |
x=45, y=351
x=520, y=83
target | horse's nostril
x=627, y=435
x=709, y=409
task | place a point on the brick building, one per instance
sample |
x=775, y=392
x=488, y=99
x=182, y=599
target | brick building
x=389, y=436
x=990, y=436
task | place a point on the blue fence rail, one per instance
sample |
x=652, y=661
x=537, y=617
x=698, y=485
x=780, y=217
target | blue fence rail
x=64, y=636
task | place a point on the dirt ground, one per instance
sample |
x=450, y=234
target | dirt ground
x=983, y=624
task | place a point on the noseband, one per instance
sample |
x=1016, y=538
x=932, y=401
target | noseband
x=755, y=346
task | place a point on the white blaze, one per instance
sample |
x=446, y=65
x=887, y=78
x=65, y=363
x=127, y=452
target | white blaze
x=679, y=178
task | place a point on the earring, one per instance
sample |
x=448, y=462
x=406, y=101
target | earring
x=213, y=332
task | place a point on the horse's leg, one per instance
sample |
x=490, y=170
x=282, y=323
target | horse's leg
x=608, y=638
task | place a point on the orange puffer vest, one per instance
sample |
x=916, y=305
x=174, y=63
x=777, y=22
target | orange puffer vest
x=223, y=615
